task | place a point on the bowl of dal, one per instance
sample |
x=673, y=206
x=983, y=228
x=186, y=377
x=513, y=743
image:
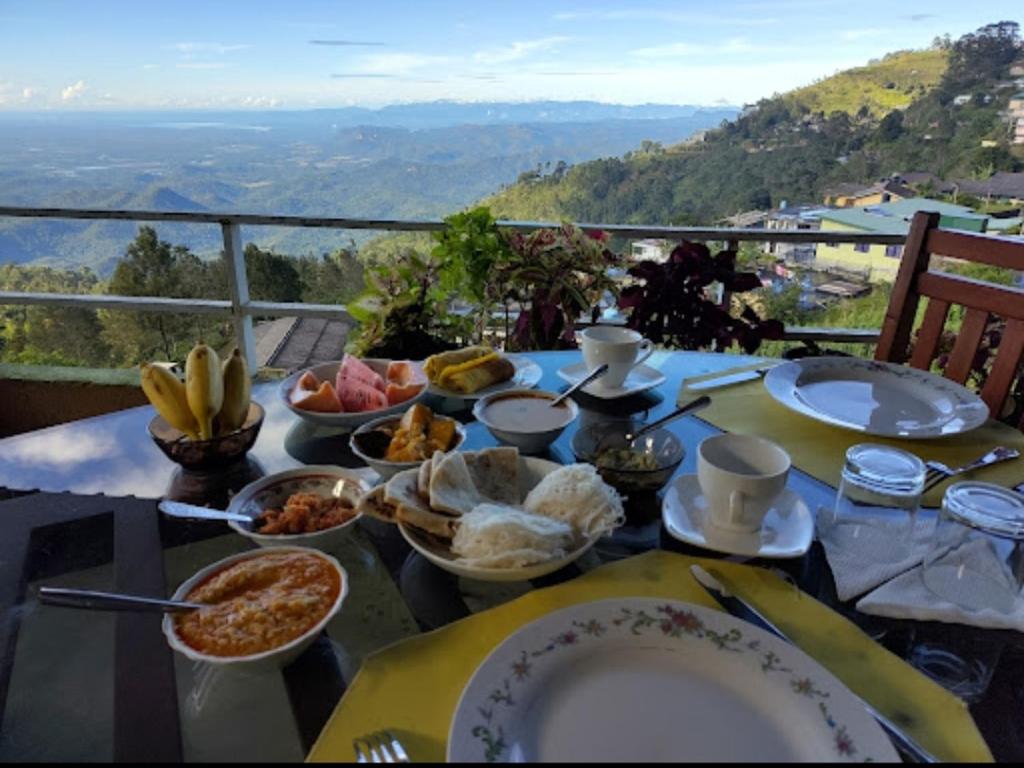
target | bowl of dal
x=525, y=418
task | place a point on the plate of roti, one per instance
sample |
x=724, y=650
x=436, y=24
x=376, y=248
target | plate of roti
x=494, y=515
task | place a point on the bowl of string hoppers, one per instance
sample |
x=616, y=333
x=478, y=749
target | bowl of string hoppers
x=494, y=515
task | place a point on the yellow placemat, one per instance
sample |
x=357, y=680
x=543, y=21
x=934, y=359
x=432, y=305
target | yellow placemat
x=412, y=688
x=819, y=449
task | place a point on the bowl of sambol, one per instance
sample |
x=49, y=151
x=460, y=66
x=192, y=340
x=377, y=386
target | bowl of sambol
x=311, y=506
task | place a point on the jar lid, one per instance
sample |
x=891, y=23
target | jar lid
x=884, y=468
x=986, y=507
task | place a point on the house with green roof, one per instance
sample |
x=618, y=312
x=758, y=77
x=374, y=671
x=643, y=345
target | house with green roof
x=879, y=263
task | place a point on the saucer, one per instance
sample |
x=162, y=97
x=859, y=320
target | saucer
x=639, y=379
x=787, y=530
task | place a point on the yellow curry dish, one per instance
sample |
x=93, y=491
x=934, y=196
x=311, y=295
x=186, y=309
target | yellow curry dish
x=259, y=603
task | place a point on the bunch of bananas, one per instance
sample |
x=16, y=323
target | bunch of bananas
x=212, y=401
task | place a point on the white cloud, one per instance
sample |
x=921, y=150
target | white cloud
x=73, y=91
x=396, y=63
x=260, y=101
x=150, y=66
x=674, y=50
x=517, y=50
x=208, y=48
x=671, y=17
x=200, y=65
x=861, y=34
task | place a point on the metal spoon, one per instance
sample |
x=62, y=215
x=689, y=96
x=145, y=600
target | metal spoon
x=192, y=512
x=601, y=370
x=630, y=437
x=110, y=601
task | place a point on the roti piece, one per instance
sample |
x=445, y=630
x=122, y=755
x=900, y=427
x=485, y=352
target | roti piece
x=442, y=526
x=423, y=479
x=451, y=486
x=372, y=503
x=412, y=509
x=495, y=473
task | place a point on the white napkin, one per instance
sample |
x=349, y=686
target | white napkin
x=862, y=556
x=907, y=597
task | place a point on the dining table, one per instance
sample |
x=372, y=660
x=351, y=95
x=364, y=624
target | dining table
x=78, y=508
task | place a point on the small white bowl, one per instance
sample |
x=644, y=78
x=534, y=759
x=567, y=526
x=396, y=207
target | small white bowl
x=388, y=469
x=275, y=658
x=328, y=372
x=273, y=490
x=526, y=440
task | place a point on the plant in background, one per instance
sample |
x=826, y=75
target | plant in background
x=404, y=311
x=469, y=249
x=555, y=276
x=669, y=303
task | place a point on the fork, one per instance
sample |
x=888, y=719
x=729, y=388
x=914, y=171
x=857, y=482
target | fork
x=937, y=471
x=379, y=747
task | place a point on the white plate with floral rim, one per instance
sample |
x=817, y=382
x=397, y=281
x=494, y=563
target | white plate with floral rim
x=527, y=376
x=876, y=398
x=652, y=680
x=438, y=551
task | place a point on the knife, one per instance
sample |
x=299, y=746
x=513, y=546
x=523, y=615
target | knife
x=729, y=379
x=192, y=512
x=741, y=609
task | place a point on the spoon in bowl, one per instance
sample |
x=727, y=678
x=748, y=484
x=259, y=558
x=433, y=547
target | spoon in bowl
x=630, y=437
x=111, y=601
x=601, y=370
x=193, y=512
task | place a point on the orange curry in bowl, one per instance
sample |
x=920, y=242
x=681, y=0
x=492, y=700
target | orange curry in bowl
x=259, y=604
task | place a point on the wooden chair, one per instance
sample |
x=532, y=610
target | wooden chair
x=980, y=299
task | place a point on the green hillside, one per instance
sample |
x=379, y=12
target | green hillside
x=897, y=114
x=880, y=87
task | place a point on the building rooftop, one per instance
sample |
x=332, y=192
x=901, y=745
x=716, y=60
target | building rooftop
x=1002, y=184
x=893, y=218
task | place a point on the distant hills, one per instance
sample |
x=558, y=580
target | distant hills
x=408, y=161
x=940, y=110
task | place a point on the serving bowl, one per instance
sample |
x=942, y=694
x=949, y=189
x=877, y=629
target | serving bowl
x=275, y=658
x=387, y=469
x=207, y=455
x=513, y=429
x=328, y=372
x=662, y=444
x=273, y=490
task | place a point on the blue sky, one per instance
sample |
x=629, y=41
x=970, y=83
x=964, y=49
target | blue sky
x=111, y=54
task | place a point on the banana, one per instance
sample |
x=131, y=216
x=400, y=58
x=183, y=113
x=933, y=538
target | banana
x=167, y=394
x=204, y=387
x=237, y=389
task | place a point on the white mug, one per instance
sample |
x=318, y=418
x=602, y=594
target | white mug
x=740, y=476
x=621, y=348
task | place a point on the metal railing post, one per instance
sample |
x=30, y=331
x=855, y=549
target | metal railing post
x=238, y=285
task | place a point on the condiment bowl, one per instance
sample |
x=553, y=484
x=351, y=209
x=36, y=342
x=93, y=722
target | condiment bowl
x=387, y=469
x=528, y=427
x=275, y=658
x=272, y=492
x=662, y=444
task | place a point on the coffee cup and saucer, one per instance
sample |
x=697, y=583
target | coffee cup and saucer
x=624, y=351
x=738, y=503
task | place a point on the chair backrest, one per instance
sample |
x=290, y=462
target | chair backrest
x=981, y=300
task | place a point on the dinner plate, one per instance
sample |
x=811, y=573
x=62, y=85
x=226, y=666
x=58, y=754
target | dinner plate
x=876, y=398
x=527, y=376
x=639, y=379
x=437, y=551
x=787, y=529
x=648, y=680
x=328, y=372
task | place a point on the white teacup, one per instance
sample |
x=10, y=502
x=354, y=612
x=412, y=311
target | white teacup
x=740, y=476
x=621, y=348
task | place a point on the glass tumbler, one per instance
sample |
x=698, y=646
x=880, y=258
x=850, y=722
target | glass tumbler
x=879, y=495
x=976, y=559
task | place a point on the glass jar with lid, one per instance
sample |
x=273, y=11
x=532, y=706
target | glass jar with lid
x=976, y=559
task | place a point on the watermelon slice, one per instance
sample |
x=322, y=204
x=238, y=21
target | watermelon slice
x=354, y=368
x=324, y=400
x=357, y=395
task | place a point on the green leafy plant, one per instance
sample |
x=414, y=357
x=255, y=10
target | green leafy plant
x=555, y=276
x=404, y=311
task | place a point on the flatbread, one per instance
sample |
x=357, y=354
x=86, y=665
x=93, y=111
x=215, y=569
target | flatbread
x=451, y=486
x=495, y=473
x=423, y=479
x=372, y=503
x=412, y=509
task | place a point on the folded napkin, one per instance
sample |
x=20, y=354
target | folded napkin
x=413, y=687
x=908, y=596
x=864, y=555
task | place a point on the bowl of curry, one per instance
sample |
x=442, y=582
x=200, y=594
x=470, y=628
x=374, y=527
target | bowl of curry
x=261, y=608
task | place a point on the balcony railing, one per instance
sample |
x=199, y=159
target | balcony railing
x=242, y=309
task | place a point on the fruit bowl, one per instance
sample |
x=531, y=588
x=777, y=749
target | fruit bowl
x=205, y=455
x=351, y=420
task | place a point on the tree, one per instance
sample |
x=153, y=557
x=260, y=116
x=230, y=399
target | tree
x=272, y=277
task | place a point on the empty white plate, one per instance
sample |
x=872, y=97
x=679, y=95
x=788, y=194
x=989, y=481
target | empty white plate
x=640, y=379
x=787, y=530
